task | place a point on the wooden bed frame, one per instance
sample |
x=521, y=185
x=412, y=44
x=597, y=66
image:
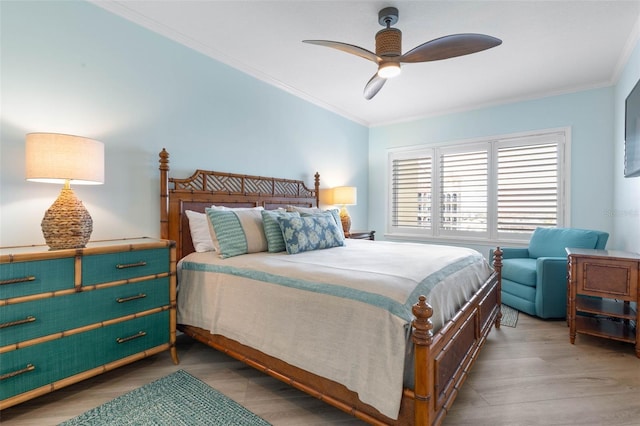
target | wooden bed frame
x=442, y=360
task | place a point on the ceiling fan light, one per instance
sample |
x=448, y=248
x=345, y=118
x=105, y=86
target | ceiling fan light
x=389, y=70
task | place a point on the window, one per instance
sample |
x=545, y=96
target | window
x=464, y=178
x=493, y=189
x=411, y=180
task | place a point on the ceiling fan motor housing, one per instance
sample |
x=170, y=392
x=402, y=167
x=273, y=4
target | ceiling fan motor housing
x=389, y=42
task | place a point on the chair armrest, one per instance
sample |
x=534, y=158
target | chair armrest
x=551, y=287
x=550, y=268
x=510, y=253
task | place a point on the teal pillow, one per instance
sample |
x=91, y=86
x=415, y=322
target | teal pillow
x=272, y=231
x=308, y=233
x=236, y=232
x=551, y=242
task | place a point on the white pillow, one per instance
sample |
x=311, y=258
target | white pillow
x=308, y=210
x=200, y=235
x=214, y=207
x=311, y=211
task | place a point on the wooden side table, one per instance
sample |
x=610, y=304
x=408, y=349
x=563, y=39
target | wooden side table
x=361, y=235
x=601, y=286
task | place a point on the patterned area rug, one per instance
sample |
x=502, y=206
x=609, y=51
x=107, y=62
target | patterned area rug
x=509, y=316
x=177, y=399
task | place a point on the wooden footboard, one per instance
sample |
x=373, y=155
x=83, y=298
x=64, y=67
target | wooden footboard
x=442, y=360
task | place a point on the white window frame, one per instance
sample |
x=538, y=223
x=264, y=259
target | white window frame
x=560, y=135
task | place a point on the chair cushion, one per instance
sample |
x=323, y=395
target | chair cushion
x=551, y=242
x=521, y=270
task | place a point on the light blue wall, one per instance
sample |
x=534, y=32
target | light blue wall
x=626, y=212
x=589, y=114
x=72, y=67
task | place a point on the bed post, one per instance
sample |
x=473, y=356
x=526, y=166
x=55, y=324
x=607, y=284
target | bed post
x=317, y=188
x=164, y=194
x=422, y=338
x=497, y=266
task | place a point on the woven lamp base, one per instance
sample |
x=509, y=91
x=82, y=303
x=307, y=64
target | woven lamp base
x=67, y=224
x=346, y=220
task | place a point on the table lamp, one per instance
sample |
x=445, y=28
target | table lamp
x=345, y=196
x=65, y=159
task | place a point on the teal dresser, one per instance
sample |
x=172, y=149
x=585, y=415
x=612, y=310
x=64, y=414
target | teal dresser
x=67, y=315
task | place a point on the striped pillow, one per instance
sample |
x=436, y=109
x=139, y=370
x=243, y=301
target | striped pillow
x=236, y=232
x=272, y=230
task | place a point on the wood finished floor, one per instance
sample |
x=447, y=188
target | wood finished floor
x=529, y=375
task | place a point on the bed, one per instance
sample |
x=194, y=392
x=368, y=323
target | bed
x=441, y=349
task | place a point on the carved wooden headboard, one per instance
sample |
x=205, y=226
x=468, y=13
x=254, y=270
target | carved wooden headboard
x=204, y=188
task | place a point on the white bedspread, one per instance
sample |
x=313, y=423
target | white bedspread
x=342, y=313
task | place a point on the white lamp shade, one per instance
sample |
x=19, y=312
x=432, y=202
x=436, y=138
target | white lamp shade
x=345, y=195
x=57, y=158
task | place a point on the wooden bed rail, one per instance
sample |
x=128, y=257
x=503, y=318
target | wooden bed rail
x=479, y=313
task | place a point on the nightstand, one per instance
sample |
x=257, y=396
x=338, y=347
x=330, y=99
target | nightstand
x=67, y=315
x=361, y=235
x=602, y=291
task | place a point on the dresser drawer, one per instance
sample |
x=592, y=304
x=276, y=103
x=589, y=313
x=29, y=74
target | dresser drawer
x=42, y=276
x=101, y=268
x=43, y=317
x=61, y=358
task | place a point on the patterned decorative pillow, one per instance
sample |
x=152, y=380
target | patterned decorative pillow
x=199, y=228
x=309, y=211
x=235, y=232
x=333, y=214
x=272, y=231
x=307, y=233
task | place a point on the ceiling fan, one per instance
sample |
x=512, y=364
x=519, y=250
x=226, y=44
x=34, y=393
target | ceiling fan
x=389, y=55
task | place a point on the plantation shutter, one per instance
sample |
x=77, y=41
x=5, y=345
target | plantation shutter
x=491, y=189
x=411, y=192
x=527, y=186
x=464, y=190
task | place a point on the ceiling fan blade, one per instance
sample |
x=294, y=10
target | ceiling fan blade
x=348, y=48
x=449, y=47
x=373, y=86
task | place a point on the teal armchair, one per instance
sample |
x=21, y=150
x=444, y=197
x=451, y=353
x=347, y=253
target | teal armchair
x=534, y=279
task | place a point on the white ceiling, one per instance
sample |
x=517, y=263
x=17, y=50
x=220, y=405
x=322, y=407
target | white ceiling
x=549, y=47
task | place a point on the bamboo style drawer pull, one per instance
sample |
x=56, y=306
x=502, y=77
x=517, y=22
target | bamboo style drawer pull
x=135, y=336
x=18, y=322
x=18, y=280
x=131, y=265
x=130, y=298
x=28, y=368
